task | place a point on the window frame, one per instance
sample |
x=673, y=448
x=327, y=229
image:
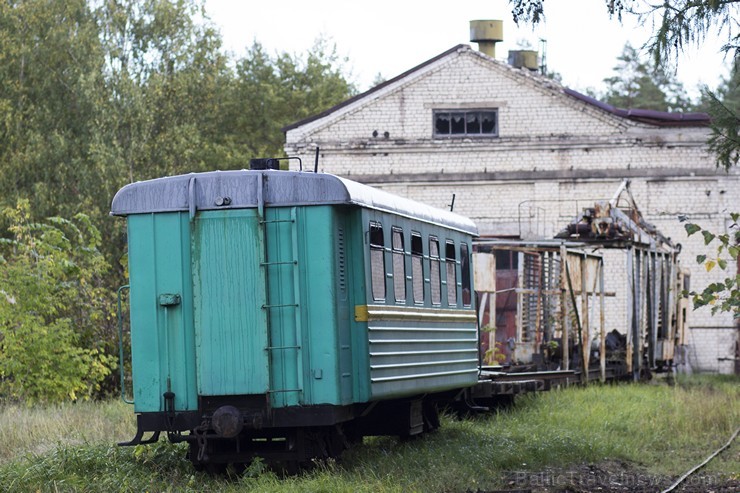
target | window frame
x=435, y=260
x=377, y=248
x=399, y=279
x=465, y=113
x=465, y=275
x=451, y=268
x=417, y=262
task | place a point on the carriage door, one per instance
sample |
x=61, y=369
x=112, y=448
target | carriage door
x=228, y=302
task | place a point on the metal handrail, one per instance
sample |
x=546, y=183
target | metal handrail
x=120, y=345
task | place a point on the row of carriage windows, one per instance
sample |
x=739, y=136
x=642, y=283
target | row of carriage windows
x=437, y=260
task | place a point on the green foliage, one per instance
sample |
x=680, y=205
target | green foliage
x=722, y=296
x=50, y=76
x=529, y=11
x=378, y=79
x=53, y=309
x=679, y=23
x=724, y=106
x=682, y=23
x=641, y=84
x=96, y=94
x=272, y=92
x=495, y=354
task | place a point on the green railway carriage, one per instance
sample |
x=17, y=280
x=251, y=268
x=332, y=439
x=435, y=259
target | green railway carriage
x=282, y=314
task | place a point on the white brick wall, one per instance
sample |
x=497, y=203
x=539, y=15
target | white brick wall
x=708, y=349
x=554, y=156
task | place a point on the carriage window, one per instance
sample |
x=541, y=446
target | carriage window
x=451, y=273
x=417, y=272
x=465, y=273
x=434, y=272
x=377, y=261
x=399, y=266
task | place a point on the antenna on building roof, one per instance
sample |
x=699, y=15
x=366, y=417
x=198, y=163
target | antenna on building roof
x=543, y=59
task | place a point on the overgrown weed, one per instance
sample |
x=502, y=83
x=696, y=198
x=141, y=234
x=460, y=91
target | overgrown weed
x=665, y=429
x=40, y=429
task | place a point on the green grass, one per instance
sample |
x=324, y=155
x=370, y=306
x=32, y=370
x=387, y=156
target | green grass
x=662, y=429
x=36, y=430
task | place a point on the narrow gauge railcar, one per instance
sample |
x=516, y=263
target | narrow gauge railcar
x=286, y=314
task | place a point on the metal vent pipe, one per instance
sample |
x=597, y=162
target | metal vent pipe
x=487, y=33
x=524, y=59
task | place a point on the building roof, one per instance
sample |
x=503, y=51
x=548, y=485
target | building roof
x=660, y=118
x=373, y=89
x=652, y=117
x=240, y=189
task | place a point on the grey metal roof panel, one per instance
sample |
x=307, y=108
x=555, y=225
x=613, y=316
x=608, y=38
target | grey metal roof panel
x=208, y=191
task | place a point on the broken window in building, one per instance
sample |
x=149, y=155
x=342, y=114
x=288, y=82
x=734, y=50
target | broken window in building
x=471, y=123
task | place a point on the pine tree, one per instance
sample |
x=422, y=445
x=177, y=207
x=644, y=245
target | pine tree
x=640, y=84
x=724, y=106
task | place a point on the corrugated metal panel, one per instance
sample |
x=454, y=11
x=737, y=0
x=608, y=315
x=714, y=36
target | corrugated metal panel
x=417, y=351
x=162, y=338
x=229, y=294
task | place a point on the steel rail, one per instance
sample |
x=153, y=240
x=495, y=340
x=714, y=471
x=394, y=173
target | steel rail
x=706, y=461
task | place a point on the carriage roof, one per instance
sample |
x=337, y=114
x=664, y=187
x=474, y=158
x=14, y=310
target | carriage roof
x=205, y=191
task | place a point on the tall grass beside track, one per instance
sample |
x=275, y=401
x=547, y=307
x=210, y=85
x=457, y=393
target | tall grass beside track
x=36, y=430
x=665, y=429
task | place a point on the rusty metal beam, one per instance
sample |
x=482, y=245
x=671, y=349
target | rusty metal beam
x=584, y=369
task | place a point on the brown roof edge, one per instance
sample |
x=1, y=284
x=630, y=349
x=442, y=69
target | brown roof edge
x=659, y=118
x=372, y=89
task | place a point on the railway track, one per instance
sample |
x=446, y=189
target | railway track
x=706, y=461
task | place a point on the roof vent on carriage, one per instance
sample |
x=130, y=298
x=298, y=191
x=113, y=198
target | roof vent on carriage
x=264, y=163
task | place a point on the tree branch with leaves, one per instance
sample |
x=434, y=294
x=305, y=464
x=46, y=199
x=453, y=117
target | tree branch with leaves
x=722, y=296
x=679, y=23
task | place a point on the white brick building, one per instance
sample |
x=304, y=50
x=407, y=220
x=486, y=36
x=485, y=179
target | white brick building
x=523, y=155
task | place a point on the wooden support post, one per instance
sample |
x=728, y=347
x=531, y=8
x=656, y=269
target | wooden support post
x=539, y=290
x=564, y=306
x=631, y=312
x=519, y=302
x=585, y=336
x=602, y=325
x=643, y=315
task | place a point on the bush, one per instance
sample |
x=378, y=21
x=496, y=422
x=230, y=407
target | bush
x=53, y=309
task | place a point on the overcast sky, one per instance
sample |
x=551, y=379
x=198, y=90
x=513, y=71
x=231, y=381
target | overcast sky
x=392, y=36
